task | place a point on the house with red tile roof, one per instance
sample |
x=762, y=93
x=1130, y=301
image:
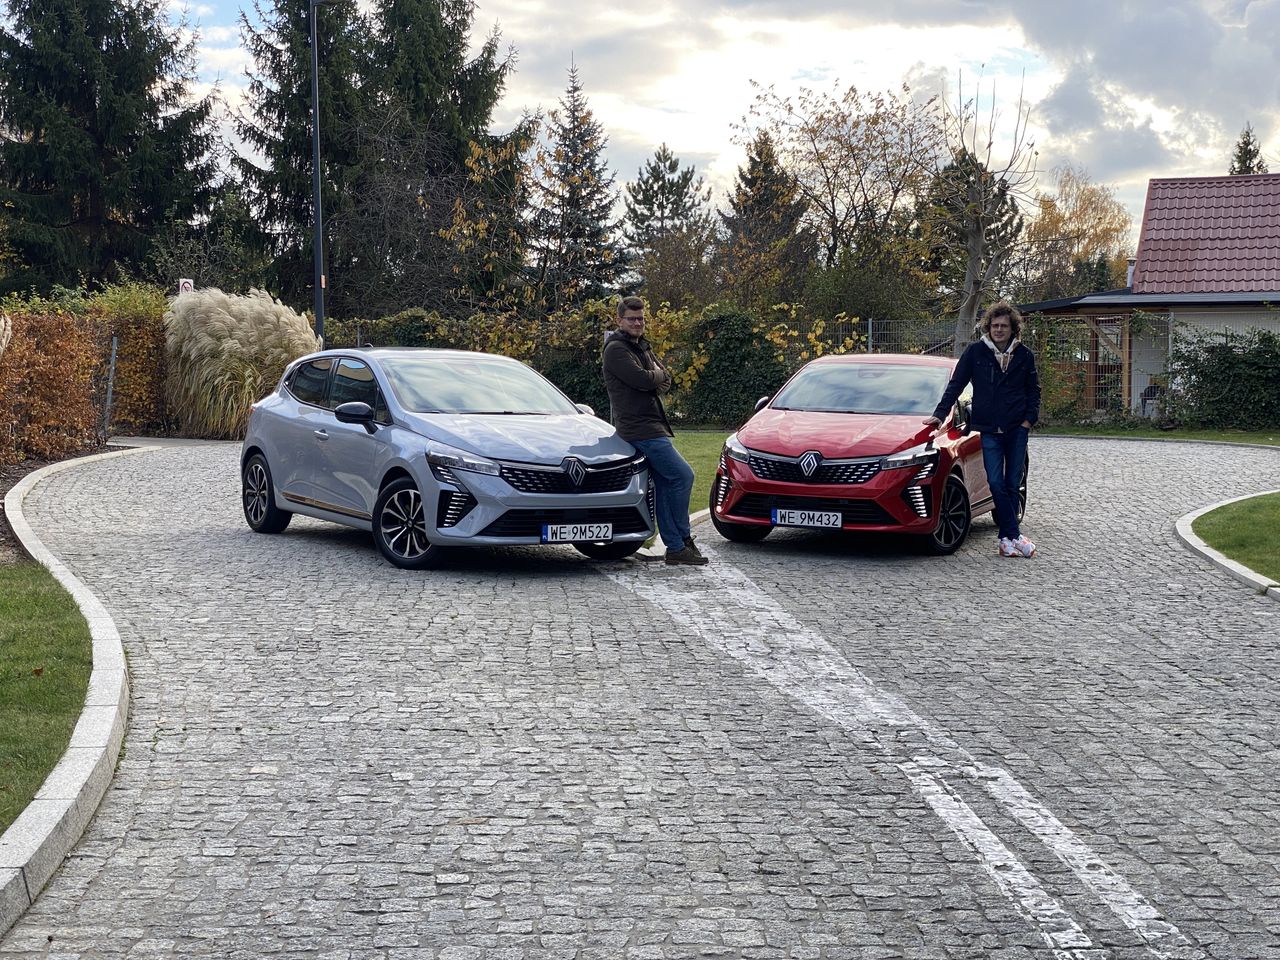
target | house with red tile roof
x=1208, y=259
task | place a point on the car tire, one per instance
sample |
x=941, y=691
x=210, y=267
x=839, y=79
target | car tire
x=617, y=550
x=1022, y=488
x=736, y=532
x=400, y=527
x=955, y=515
x=258, y=497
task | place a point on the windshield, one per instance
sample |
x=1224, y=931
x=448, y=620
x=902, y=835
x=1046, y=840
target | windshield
x=864, y=388
x=471, y=384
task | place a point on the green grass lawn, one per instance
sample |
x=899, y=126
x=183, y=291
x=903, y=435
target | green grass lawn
x=1271, y=437
x=702, y=449
x=1248, y=532
x=45, y=660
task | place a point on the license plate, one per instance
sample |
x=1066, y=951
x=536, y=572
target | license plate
x=576, y=532
x=806, y=518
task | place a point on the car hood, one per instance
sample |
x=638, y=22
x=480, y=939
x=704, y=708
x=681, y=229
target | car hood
x=834, y=435
x=536, y=438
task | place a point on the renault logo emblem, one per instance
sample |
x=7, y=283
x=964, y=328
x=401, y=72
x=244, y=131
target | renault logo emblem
x=809, y=463
x=576, y=471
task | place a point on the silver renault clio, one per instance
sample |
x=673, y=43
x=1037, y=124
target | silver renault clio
x=432, y=449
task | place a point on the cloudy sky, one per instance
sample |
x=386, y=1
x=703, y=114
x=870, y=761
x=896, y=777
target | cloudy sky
x=1128, y=89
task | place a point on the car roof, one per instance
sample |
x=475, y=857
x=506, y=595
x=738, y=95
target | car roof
x=383, y=353
x=899, y=359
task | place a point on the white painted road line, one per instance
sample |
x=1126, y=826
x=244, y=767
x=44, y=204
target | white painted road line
x=732, y=614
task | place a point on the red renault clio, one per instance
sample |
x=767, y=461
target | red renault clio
x=842, y=447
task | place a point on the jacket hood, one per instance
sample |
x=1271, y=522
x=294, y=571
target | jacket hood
x=790, y=433
x=545, y=439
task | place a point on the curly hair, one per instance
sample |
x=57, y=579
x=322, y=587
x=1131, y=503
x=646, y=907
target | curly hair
x=1002, y=308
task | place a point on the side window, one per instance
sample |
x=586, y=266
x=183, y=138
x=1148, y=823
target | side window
x=353, y=381
x=310, y=382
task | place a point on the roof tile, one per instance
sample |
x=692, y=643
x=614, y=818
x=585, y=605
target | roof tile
x=1219, y=234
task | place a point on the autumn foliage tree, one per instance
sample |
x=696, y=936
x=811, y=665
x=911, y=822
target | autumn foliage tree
x=1077, y=241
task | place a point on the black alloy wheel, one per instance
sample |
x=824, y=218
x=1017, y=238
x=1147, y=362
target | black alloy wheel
x=954, y=518
x=400, y=527
x=608, y=550
x=258, y=498
x=736, y=532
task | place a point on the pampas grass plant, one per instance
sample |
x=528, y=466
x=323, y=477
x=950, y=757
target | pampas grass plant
x=224, y=353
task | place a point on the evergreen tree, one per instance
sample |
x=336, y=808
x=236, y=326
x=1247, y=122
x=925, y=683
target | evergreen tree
x=663, y=198
x=766, y=248
x=1247, y=156
x=101, y=142
x=572, y=235
x=432, y=218
x=424, y=64
x=277, y=124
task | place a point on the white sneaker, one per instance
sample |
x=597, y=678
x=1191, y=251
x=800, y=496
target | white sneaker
x=1008, y=548
x=1025, y=547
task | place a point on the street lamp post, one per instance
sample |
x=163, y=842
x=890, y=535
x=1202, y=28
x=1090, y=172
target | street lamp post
x=318, y=243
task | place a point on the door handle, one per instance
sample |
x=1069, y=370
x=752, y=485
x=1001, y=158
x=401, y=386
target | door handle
x=321, y=434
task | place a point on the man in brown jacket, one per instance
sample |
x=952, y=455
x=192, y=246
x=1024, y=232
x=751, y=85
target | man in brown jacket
x=635, y=379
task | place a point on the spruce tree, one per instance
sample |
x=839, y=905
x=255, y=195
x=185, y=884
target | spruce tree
x=572, y=235
x=423, y=62
x=663, y=198
x=277, y=124
x=766, y=248
x=102, y=143
x=1247, y=156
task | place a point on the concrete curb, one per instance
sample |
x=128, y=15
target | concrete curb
x=1238, y=570
x=35, y=844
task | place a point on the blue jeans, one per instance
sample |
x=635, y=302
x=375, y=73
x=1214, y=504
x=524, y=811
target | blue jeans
x=672, y=483
x=1004, y=454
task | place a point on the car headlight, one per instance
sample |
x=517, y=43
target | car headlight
x=452, y=458
x=914, y=457
x=734, y=448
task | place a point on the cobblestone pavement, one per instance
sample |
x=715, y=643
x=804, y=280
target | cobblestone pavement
x=813, y=748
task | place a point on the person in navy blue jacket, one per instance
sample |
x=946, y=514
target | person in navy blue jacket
x=1006, y=404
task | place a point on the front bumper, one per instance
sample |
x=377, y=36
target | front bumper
x=480, y=510
x=891, y=501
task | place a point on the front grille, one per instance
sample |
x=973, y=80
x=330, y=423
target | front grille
x=829, y=471
x=453, y=507
x=856, y=512
x=608, y=478
x=528, y=523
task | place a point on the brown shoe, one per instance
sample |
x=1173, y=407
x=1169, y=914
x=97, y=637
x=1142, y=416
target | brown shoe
x=688, y=556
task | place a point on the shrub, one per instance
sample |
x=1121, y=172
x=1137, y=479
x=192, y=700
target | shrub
x=1227, y=379
x=224, y=352
x=737, y=367
x=47, y=382
x=134, y=314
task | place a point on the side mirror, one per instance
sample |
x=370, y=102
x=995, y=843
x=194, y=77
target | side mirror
x=964, y=413
x=357, y=411
x=762, y=403
x=585, y=408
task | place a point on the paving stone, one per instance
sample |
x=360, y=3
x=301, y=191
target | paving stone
x=518, y=757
